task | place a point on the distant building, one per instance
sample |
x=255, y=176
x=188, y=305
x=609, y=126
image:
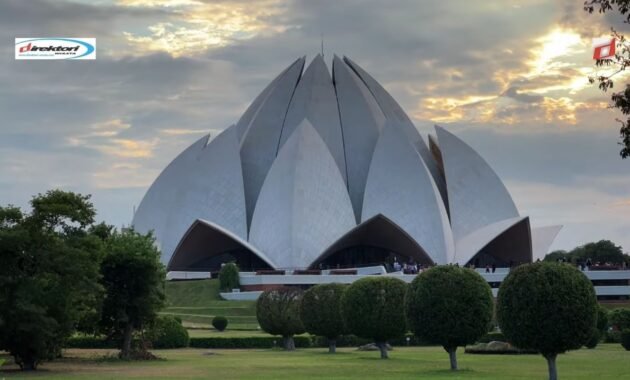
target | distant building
x=324, y=172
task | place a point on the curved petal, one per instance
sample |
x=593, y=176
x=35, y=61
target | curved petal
x=394, y=112
x=204, y=241
x=377, y=231
x=245, y=121
x=155, y=208
x=542, y=238
x=507, y=240
x=204, y=183
x=400, y=187
x=314, y=99
x=361, y=122
x=259, y=144
x=476, y=195
x=303, y=204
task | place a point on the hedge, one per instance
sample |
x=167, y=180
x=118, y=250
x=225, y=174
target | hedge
x=247, y=342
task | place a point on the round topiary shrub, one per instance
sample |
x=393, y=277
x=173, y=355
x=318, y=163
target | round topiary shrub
x=320, y=312
x=278, y=313
x=449, y=306
x=219, y=322
x=373, y=308
x=228, y=277
x=548, y=307
x=625, y=339
x=620, y=318
x=168, y=333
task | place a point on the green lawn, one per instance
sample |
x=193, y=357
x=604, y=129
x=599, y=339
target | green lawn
x=197, y=302
x=605, y=362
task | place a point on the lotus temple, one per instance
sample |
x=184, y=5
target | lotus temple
x=326, y=170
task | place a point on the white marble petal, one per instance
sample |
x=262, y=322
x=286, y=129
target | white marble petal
x=468, y=246
x=400, y=187
x=260, y=141
x=155, y=209
x=314, y=99
x=476, y=195
x=542, y=238
x=303, y=205
x=205, y=181
x=394, y=112
x=361, y=122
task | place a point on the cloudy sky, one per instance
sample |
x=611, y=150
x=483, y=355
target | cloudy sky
x=509, y=77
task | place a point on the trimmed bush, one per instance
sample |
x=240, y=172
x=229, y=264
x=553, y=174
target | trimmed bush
x=620, y=318
x=219, y=323
x=373, y=308
x=168, y=333
x=449, y=306
x=278, y=313
x=228, y=277
x=625, y=339
x=320, y=312
x=548, y=307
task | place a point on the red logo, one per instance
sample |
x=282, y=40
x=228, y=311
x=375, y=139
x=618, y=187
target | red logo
x=603, y=48
x=26, y=48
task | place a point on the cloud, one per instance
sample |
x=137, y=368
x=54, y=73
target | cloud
x=509, y=77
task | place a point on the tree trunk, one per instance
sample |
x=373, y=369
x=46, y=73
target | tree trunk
x=27, y=363
x=382, y=346
x=452, y=355
x=288, y=343
x=332, y=346
x=125, y=351
x=551, y=364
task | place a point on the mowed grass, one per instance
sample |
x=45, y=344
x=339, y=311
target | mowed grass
x=196, y=302
x=607, y=361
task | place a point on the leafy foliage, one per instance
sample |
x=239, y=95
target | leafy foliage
x=620, y=318
x=602, y=251
x=449, y=306
x=49, y=274
x=133, y=278
x=621, y=100
x=373, y=307
x=168, y=332
x=278, y=313
x=219, y=323
x=548, y=307
x=228, y=277
x=320, y=312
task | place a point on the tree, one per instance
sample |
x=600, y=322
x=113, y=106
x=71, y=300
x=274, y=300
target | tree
x=320, y=312
x=228, y=277
x=449, y=306
x=548, y=307
x=603, y=251
x=621, y=100
x=373, y=308
x=133, y=278
x=49, y=274
x=278, y=313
